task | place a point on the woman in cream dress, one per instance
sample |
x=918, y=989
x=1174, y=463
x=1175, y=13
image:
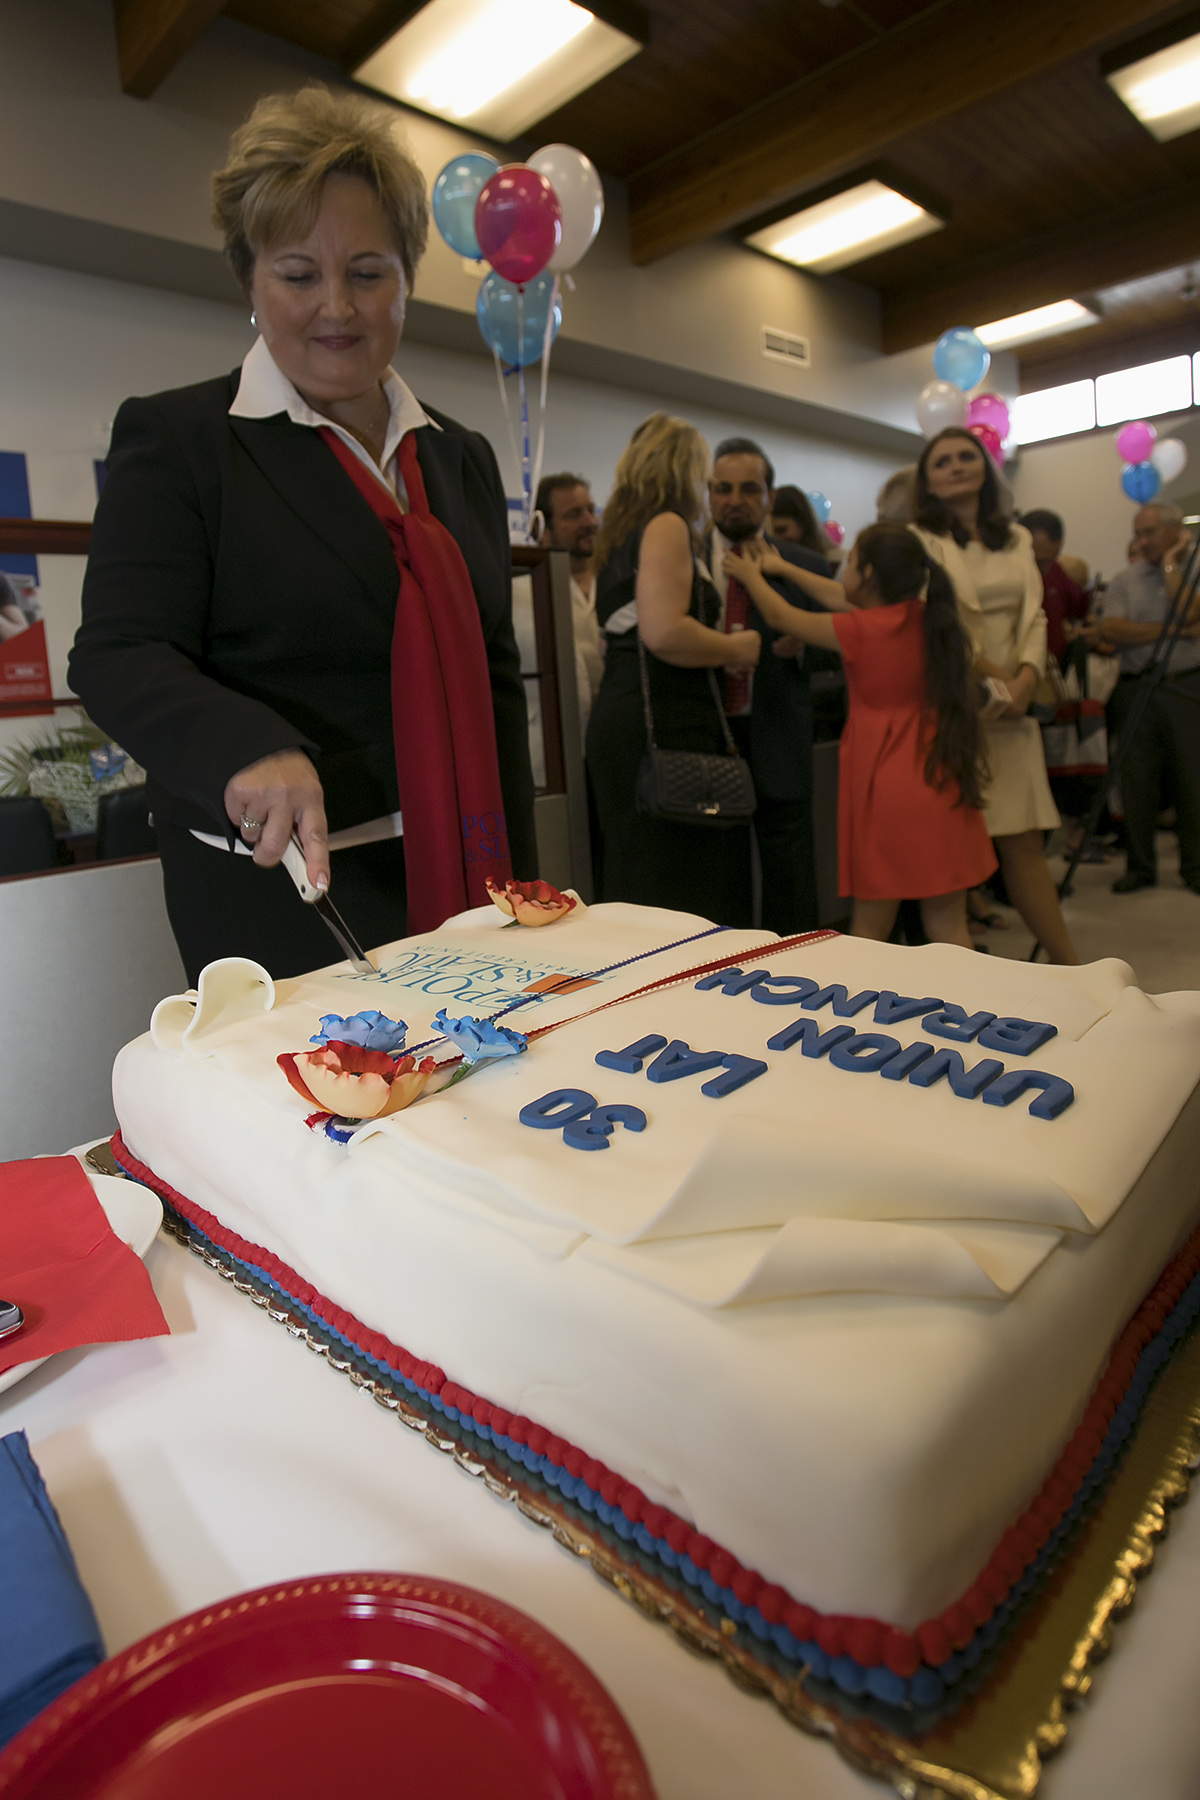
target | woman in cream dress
x=964, y=527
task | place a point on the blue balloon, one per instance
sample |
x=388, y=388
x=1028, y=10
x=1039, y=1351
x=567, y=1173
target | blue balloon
x=496, y=310
x=455, y=192
x=960, y=356
x=820, y=505
x=1141, y=481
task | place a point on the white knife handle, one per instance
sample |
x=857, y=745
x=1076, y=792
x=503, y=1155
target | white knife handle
x=294, y=863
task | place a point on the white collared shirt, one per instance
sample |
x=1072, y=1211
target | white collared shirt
x=265, y=390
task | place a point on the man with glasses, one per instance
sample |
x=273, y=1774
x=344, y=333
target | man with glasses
x=770, y=709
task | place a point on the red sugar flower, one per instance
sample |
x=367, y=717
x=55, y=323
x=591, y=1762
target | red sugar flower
x=353, y=1083
x=530, y=902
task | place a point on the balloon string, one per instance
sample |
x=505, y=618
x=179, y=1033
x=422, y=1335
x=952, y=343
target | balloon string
x=526, y=471
x=512, y=436
x=547, y=340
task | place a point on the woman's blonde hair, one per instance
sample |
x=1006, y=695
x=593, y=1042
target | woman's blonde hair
x=270, y=189
x=664, y=468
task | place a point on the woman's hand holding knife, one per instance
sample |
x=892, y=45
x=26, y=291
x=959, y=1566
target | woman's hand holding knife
x=275, y=797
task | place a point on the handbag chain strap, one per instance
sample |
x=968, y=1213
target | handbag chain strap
x=648, y=713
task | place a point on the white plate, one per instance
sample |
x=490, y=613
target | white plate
x=134, y=1213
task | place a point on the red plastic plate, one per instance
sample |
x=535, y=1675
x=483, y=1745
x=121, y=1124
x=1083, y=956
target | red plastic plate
x=343, y=1687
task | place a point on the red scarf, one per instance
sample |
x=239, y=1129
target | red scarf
x=443, y=726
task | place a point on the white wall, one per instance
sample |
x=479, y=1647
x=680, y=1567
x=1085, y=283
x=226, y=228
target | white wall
x=1080, y=478
x=72, y=347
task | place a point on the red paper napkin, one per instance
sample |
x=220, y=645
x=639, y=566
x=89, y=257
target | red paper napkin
x=65, y=1267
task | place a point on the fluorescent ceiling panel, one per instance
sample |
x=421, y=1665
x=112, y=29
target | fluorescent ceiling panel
x=496, y=65
x=1042, y=321
x=1163, y=90
x=853, y=225
x=1156, y=387
x=1054, y=412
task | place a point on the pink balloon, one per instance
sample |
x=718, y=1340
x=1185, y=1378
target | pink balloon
x=989, y=410
x=833, y=531
x=518, y=222
x=990, y=439
x=1135, y=441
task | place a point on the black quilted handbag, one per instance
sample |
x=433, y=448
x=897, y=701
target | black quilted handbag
x=689, y=787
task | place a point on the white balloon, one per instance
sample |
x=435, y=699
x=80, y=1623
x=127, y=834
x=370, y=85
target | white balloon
x=580, y=196
x=1169, y=457
x=940, y=404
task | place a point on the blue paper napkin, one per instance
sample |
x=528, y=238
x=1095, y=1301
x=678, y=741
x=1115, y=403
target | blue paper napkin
x=48, y=1632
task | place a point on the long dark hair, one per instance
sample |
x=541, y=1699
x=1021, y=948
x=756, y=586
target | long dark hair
x=898, y=569
x=794, y=503
x=995, y=519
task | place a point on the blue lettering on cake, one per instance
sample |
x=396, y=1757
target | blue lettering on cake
x=901, y=1067
x=894, y=1008
x=1020, y=1037
x=865, y=1053
x=954, y=1023
x=629, y=1061
x=732, y=981
x=738, y=1071
x=555, y=1110
x=1055, y=1095
x=594, y=1131
x=679, y=1059
x=844, y=1007
x=968, y=1084
x=783, y=990
x=808, y=1034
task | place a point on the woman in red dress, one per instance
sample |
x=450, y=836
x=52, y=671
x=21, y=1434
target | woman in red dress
x=909, y=817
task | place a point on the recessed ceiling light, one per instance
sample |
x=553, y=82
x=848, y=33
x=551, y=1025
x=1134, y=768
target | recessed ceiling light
x=1042, y=321
x=496, y=65
x=1163, y=90
x=852, y=225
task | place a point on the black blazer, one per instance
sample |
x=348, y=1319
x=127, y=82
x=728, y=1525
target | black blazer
x=780, y=721
x=239, y=600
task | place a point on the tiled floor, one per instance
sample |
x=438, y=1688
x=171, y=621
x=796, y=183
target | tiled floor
x=1157, y=931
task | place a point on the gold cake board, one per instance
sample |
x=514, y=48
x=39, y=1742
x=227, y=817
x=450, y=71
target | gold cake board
x=994, y=1745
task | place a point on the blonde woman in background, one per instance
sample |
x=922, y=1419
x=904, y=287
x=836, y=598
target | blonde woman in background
x=649, y=579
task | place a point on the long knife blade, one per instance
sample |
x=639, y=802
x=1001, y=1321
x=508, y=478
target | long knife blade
x=356, y=956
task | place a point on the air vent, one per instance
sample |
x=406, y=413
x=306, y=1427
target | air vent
x=786, y=347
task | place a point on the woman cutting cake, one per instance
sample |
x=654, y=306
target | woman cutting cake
x=297, y=610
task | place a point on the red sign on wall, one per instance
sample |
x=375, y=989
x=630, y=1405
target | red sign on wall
x=25, y=673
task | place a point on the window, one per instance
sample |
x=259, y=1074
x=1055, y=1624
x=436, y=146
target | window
x=1156, y=387
x=1055, y=412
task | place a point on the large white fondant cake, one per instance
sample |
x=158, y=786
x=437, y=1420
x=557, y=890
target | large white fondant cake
x=842, y=1320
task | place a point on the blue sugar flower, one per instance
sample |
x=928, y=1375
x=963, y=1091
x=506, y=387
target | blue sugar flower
x=369, y=1030
x=478, y=1040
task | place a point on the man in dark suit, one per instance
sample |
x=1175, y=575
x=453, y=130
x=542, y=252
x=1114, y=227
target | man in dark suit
x=771, y=714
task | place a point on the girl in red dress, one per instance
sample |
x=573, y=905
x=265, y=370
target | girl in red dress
x=910, y=789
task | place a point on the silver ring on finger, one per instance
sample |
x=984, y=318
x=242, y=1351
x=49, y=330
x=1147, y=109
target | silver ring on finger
x=251, y=824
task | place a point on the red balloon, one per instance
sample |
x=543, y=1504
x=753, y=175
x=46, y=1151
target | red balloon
x=833, y=531
x=518, y=222
x=991, y=442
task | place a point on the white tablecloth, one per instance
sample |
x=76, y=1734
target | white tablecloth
x=228, y=1456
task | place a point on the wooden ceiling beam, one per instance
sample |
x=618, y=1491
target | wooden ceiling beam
x=152, y=35
x=950, y=56
x=1143, y=237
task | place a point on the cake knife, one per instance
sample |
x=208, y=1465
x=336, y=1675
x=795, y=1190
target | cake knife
x=295, y=864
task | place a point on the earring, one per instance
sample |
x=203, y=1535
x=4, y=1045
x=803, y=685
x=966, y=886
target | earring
x=254, y=320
